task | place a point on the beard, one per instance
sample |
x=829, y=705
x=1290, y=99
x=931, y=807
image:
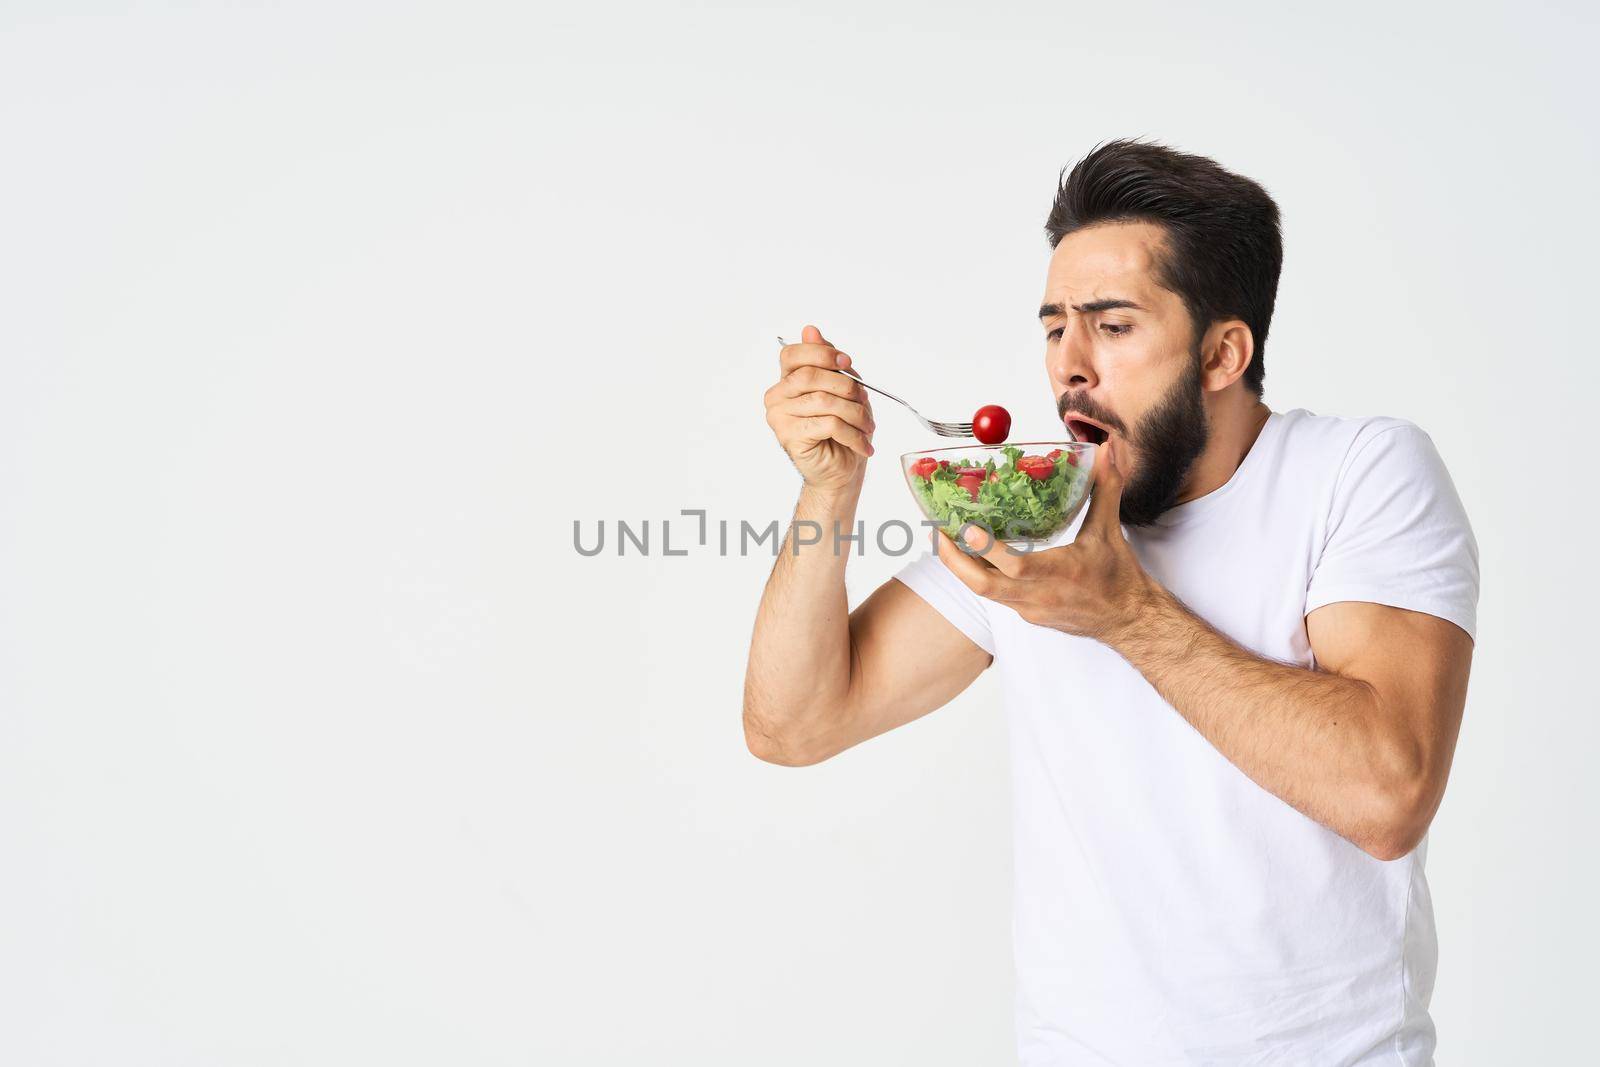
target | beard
x=1167, y=442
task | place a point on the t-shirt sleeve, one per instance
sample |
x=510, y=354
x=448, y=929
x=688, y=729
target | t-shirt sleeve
x=930, y=579
x=1397, y=533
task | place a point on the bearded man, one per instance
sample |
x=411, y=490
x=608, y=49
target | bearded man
x=1234, y=689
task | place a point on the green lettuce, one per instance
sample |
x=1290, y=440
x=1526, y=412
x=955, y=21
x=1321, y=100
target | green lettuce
x=1012, y=506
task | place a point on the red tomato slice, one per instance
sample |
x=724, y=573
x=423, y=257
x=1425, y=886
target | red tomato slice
x=1036, y=467
x=924, y=467
x=1072, y=457
x=970, y=480
x=1057, y=453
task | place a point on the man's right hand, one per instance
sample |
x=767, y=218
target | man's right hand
x=822, y=419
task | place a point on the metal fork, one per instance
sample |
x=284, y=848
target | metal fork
x=943, y=429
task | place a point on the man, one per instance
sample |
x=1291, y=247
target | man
x=1234, y=693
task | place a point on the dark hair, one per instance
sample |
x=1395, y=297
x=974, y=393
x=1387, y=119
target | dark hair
x=1224, y=247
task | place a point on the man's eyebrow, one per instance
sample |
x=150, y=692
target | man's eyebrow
x=1046, y=310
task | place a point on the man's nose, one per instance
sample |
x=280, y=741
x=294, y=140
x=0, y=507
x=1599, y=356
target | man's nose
x=1072, y=360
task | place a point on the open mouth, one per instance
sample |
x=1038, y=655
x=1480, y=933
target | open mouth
x=1083, y=429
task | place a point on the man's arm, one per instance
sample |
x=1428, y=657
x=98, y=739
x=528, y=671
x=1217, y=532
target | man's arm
x=821, y=680
x=820, y=677
x=1362, y=744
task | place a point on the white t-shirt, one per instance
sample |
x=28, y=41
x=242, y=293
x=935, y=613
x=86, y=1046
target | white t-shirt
x=1167, y=909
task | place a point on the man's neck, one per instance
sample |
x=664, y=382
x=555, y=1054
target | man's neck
x=1236, y=422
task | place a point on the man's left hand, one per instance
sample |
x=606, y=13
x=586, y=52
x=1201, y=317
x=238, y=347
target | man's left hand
x=1093, y=587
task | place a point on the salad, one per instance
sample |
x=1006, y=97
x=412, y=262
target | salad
x=1027, y=497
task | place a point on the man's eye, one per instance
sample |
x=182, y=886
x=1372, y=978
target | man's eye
x=1116, y=329
x=1053, y=335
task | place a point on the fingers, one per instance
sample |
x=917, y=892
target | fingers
x=814, y=429
x=828, y=404
x=813, y=351
x=975, y=574
x=1002, y=557
x=1105, y=503
x=812, y=335
x=807, y=355
x=804, y=380
x=813, y=417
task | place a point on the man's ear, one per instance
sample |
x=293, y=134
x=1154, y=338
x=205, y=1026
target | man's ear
x=1225, y=354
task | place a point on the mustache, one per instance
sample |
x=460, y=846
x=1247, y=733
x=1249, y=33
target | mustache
x=1084, y=404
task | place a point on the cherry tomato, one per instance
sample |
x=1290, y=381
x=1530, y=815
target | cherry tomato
x=1037, y=467
x=924, y=467
x=970, y=480
x=991, y=424
x=1056, y=453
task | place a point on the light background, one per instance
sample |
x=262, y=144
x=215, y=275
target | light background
x=321, y=323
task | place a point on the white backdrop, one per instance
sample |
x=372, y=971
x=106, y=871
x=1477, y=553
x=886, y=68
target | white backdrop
x=321, y=323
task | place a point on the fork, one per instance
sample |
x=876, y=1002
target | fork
x=943, y=429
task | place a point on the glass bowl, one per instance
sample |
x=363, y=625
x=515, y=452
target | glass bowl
x=1022, y=493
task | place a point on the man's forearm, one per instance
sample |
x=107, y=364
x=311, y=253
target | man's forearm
x=800, y=651
x=1318, y=741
